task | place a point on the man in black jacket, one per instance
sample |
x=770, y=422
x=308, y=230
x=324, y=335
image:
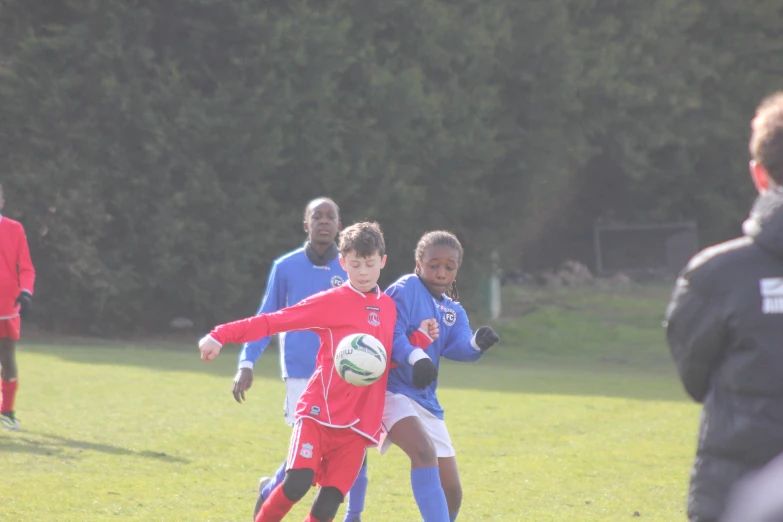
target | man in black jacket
x=725, y=332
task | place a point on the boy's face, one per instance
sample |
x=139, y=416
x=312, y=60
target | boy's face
x=323, y=223
x=363, y=272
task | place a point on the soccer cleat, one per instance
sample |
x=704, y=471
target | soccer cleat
x=260, y=500
x=9, y=421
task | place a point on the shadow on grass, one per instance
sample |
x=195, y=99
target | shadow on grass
x=58, y=446
x=506, y=370
x=157, y=356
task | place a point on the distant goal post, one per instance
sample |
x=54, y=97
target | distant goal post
x=644, y=247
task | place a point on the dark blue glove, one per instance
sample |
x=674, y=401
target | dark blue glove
x=424, y=373
x=485, y=338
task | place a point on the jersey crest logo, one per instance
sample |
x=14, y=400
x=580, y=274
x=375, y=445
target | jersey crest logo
x=374, y=319
x=315, y=411
x=307, y=451
x=449, y=315
x=337, y=281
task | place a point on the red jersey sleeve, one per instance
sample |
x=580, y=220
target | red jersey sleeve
x=24, y=263
x=420, y=339
x=310, y=313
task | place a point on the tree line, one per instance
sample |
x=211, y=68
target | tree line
x=160, y=154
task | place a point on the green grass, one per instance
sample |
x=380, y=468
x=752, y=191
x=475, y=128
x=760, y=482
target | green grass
x=577, y=415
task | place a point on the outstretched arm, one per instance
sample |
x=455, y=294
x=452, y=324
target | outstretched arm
x=461, y=345
x=313, y=312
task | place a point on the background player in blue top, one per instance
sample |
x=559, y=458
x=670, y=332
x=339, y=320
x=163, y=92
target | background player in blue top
x=295, y=276
x=413, y=417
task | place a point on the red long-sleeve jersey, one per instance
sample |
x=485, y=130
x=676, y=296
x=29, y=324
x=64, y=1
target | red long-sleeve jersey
x=332, y=314
x=16, y=268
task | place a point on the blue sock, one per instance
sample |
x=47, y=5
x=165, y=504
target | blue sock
x=429, y=494
x=356, y=496
x=277, y=479
x=453, y=516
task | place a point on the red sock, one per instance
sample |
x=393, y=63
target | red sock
x=8, y=389
x=275, y=507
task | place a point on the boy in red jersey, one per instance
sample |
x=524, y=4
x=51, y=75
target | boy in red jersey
x=17, y=277
x=336, y=421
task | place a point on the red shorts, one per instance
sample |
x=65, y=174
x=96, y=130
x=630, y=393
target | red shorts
x=9, y=328
x=334, y=454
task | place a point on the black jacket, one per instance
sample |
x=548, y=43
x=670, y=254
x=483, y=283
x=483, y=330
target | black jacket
x=725, y=332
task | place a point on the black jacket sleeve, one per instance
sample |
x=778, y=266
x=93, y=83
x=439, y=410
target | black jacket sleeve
x=695, y=333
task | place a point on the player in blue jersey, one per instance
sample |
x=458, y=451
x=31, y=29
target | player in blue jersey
x=413, y=417
x=295, y=276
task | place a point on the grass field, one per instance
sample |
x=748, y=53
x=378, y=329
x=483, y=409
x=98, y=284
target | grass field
x=577, y=415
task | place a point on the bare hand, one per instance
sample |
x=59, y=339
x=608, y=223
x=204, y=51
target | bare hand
x=242, y=382
x=430, y=326
x=209, y=348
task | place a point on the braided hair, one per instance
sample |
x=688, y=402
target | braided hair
x=445, y=239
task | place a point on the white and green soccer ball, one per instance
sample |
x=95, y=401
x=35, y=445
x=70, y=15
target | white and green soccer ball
x=360, y=359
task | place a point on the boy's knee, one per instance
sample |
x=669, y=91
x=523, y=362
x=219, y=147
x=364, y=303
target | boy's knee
x=297, y=483
x=326, y=504
x=423, y=454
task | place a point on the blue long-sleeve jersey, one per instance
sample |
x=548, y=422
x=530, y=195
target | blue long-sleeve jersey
x=294, y=277
x=415, y=304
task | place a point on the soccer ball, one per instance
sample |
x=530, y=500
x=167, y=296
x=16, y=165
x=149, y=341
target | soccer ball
x=360, y=359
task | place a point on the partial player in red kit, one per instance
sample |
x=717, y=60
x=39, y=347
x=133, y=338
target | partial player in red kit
x=335, y=421
x=17, y=277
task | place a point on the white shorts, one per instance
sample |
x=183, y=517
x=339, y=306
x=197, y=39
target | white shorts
x=398, y=407
x=294, y=388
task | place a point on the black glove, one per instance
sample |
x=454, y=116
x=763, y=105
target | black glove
x=485, y=338
x=25, y=302
x=424, y=373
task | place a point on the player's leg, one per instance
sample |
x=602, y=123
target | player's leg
x=293, y=390
x=411, y=436
x=406, y=430
x=327, y=502
x=447, y=460
x=339, y=469
x=357, y=495
x=9, y=382
x=266, y=485
x=449, y=480
x=304, y=458
x=296, y=484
